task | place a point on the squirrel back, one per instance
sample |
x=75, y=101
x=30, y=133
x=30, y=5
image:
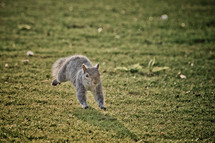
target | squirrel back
x=57, y=65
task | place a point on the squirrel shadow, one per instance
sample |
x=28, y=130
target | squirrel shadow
x=104, y=121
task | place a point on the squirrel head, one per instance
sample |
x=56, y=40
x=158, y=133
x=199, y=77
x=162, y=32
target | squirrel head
x=91, y=76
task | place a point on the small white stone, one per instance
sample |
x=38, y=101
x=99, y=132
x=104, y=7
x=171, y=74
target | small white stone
x=183, y=76
x=30, y=53
x=187, y=92
x=183, y=25
x=6, y=65
x=100, y=29
x=164, y=17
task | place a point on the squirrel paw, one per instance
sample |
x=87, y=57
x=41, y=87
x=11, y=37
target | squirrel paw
x=55, y=82
x=104, y=108
x=85, y=107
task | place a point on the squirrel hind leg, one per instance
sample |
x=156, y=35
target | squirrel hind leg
x=55, y=82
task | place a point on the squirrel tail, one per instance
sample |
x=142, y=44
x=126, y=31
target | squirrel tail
x=57, y=66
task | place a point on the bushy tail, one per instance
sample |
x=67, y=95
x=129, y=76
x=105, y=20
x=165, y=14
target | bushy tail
x=57, y=66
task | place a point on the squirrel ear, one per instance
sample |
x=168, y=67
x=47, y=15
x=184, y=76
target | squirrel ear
x=97, y=66
x=84, y=68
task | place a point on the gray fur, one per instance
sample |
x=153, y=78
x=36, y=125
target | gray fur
x=76, y=69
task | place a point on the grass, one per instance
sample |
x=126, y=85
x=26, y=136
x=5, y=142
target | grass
x=141, y=106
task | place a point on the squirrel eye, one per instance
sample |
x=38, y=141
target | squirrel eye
x=87, y=75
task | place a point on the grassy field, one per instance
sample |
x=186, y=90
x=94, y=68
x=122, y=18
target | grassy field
x=170, y=100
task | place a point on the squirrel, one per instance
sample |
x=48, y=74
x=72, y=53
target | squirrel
x=84, y=76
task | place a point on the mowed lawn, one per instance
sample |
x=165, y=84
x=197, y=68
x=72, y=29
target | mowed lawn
x=157, y=64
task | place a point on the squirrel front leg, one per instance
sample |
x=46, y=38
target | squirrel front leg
x=98, y=95
x=81, y=96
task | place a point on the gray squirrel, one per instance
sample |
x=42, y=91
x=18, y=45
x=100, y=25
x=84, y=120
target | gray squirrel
x=84, y=76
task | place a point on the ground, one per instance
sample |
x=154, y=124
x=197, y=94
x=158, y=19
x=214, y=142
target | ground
x=157, y=65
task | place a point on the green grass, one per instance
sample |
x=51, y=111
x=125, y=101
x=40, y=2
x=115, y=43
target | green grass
x=141, y=106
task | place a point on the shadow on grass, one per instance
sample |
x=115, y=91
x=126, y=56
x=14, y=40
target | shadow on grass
x=105, y=122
